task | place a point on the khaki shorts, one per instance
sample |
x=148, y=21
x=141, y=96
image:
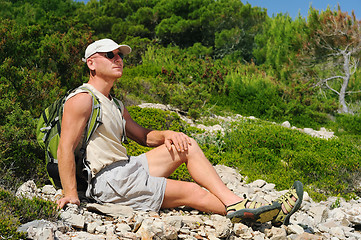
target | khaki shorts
x=129, y=183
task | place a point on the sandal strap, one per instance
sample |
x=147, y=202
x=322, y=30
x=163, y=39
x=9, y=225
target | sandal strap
x=237, y=206
x=287, y=200
x=243, y=205
x=289, y=204
x=255, y=204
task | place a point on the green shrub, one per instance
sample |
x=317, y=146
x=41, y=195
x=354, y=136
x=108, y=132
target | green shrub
x=255, y=92
x=16, y=211
x=172, y=76
x=9, y=225
x=349, y=123
x=261, y=150
x=200, y=85
x=154, y=119
x=20, y=156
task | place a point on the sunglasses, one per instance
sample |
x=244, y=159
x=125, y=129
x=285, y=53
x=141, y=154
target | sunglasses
x=111, y=55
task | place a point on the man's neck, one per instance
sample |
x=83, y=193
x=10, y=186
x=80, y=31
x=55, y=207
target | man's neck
x=101, y=85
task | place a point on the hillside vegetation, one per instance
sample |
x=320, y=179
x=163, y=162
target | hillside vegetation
x=204, y=57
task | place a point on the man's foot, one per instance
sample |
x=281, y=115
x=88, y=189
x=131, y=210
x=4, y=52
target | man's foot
x=279, y=211
x=291, y=202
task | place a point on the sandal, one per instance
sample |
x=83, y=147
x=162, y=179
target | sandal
x=290, y=205
x=272, y=212
x=256, y=212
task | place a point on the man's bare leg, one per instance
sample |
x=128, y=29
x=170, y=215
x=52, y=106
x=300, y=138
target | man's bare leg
x=180, y=193
x=163, y=162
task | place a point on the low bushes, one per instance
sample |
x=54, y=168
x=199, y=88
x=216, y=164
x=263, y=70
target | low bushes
x=16, y=211
x=349, y=123
x=204, y=85
x=21, y=158
x=279, y=155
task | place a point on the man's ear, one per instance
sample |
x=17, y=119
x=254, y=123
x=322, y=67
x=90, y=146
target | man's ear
x=90, y=63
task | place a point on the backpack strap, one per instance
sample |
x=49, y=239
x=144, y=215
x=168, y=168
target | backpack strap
x=95, y=118
x=94, y=121
x=121, y=109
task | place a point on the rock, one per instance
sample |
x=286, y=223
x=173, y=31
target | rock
x=84, y=236
x=308, y=236
x=222, y=225
x=309, y=131
x=123, y=227
x=101, y=229
x=41, y=224
x=296, y=229
x=72, y=208
x=242, y=231
x=58, y=195
x=175, y=221
x=39, y=229
x=269, y=187
x=276, y=233
x=322, y=133
x=306, y=197
x=286, y=124
x=320, y=213
x=114, y=210
x=92, y=226
x=192, y=221
x=48, y=189
x=337, y=232
x=46, y=234
x=356, y=220
x=27, y=190
x=148, y=230
x=75, y=220
x=258, y=184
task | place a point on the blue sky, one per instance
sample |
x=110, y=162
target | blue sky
x=292, y=7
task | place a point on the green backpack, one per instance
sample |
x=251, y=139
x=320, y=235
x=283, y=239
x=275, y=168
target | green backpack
x=48, y=135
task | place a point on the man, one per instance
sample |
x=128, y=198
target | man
x=141, y=182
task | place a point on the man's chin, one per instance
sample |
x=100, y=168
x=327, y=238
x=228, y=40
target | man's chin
x=117, y=76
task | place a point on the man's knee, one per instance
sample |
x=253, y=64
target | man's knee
x=193, y=151
x=194, y=147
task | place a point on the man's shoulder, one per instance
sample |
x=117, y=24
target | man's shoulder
x=80, y=103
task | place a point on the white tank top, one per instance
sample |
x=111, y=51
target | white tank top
x=105, y=145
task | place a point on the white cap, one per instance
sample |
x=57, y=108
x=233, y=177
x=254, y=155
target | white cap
x=105, y=45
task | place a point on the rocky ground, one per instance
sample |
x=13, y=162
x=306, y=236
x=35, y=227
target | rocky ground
x=331, y=219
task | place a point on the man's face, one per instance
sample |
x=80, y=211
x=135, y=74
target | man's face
x=107, y=65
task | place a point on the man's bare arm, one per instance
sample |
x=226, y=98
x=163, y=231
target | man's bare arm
x=154, y=138
x=77, y=111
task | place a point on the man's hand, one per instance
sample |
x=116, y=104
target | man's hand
x=180, y=141
x=65, y=200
